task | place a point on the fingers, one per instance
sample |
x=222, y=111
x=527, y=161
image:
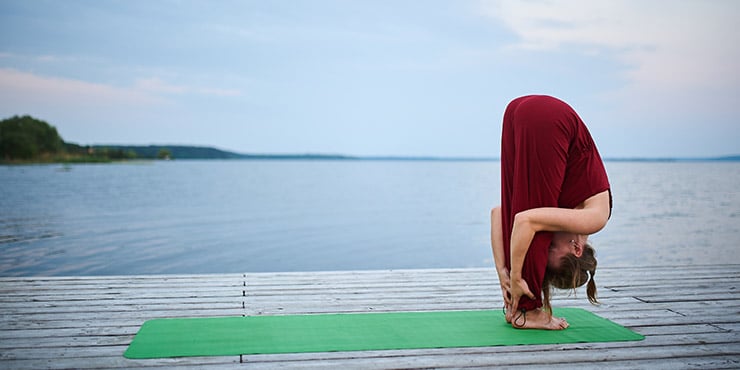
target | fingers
x=514, y=306
x=529, y=294
x=505, y=294
x=525, y=291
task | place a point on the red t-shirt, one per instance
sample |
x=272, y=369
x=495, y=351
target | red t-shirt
x=548, y=159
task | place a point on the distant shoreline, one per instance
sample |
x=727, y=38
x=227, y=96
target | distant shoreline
x=454, y=159
x=183, y=152
x=26, y=140
x=200, y=152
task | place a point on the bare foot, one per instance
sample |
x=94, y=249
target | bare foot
x=536, y=319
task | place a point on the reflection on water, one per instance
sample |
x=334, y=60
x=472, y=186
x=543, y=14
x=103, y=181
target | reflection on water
x=241, y=216
x=25, y=230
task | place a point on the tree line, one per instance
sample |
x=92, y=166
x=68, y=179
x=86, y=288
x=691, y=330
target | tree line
x=27, y=139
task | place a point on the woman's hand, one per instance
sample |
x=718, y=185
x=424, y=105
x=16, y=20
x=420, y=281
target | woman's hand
x=518, y=289
x=505, y=282
x=497, y=244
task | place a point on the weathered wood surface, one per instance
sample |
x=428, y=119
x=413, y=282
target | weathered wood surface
x=690, y=316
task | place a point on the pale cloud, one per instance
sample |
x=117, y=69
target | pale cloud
x=45, y=59
x=159, y=86
x=665, y=45
x=29, y=87
x=56, y=59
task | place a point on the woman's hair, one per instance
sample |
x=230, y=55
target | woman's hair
x=573, y=273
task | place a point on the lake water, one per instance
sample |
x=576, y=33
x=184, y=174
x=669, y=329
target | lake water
x=251, y=216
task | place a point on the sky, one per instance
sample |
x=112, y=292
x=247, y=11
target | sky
x=401, y=77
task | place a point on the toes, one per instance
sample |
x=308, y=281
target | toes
x=563, y=323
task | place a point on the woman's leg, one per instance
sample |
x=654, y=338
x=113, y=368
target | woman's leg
x=497, y=245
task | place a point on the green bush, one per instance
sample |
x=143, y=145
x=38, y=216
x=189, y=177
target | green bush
x=28, y=138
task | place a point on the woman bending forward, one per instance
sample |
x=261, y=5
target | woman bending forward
x=554, y=193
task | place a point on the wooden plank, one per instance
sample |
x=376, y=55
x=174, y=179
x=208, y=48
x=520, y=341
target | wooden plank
x=87, y=322
x=512, y=355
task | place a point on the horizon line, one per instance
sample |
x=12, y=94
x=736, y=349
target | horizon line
x=336, y=156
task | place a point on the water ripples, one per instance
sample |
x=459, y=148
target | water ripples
x=242, y=216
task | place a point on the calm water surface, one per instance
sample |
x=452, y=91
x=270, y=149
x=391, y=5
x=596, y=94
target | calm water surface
x=248, y=216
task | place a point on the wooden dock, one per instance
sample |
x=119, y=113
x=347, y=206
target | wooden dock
x=690, y=316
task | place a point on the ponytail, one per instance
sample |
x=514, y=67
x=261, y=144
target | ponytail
x=591, y=287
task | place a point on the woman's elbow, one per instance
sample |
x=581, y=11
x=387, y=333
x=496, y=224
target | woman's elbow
x=599, y=210
x=524, y=221
x=598, y=218
x=599, y=222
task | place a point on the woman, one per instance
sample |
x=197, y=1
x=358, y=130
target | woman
x=554, y=193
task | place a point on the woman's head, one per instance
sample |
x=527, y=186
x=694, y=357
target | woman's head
x=564, y=244
x=571, y=264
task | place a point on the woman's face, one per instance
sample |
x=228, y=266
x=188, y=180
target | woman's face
x=562, y=243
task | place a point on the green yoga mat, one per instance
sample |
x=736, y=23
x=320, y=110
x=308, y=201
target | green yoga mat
x=222, y=336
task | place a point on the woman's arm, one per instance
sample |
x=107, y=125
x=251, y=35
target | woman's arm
x=589, y=218
x=497, y=245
